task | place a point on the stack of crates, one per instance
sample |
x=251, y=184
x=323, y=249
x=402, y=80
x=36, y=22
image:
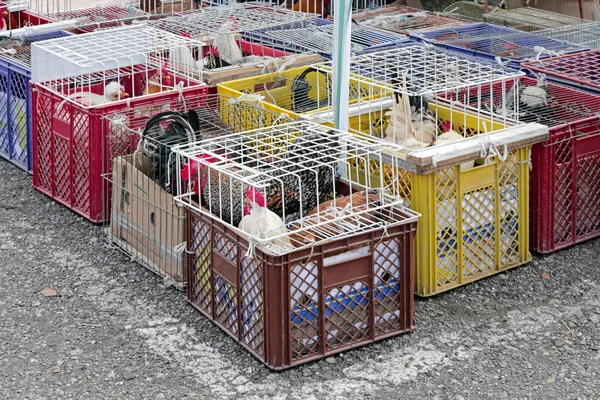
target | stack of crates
x=317, y=36
x=15, y=98
x=474, y=223
x=530, y=19
x=404, y=20
x=465, y=10
x=341, y=289
x=69, y=78
x=508, y=46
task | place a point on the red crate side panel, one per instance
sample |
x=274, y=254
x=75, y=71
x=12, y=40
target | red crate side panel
x=42, y=112
x=587, y=149
x=541, y=198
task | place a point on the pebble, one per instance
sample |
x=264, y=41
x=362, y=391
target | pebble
x=559, y=342
x=160, y=396
x=240, y=380
x=330, y=360
x=76, y=352
x=49, y=292
x=551, y=380
x=128, y=375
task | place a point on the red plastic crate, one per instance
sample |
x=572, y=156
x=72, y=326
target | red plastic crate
x=70, y=151
x=565, y=174
x=291, y=309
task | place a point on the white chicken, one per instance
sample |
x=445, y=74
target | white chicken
x=259, y=220
x=225, y=43
x=408, y=127
x=451, y=136
x=114, y=91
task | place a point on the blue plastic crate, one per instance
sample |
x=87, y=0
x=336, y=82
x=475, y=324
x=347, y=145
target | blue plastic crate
x=490, y=41
x=15, y=98
x=316, y=36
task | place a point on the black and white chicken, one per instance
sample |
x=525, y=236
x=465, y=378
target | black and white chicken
x=533, y=105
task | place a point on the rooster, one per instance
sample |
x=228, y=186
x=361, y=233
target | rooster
x=533, y=105
x=451, y=136
x=303, y=178
x=229, y=53
x=114, y=91
x=259, y=220
x=156, y=142
x=159, y=81
x=410, y=123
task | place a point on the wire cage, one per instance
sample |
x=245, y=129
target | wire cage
x=580, y=69
x=463, y=166
x=145, y=222
x=508, y=46
x=17, y=15
x=326, y=8
x=317, y=36
x=229, y=54
x=530, y=19
x=403, y=20
x=465, y=10
x=564, y=207
x=329, y=279
x=15, y=98
x=78, y=79
x=587, y=35
x=102, y=17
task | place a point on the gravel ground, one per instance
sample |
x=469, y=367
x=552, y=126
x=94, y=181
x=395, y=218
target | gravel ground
x=115, y=331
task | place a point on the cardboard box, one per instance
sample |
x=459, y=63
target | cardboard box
x=145, y=220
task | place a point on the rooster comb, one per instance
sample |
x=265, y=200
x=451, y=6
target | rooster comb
x=255, y=196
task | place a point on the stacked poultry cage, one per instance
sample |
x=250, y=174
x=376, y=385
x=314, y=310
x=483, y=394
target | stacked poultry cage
x=19, y=15
x=316, y=36
x=326, y=8
x=292, y=260
x=465, y=10
x=144, y=221
x=587, y=35
x=78, y=79
x=505, y=45
x=564, y=202
x=530, y=19
x=403, y=20
x=464, y=168
x=15, y=97
x=229, y=54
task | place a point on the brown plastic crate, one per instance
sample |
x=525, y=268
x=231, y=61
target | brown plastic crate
x=273, y=305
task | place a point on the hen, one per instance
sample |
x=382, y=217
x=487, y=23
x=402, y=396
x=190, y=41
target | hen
x=158, y=82
x=114, y=91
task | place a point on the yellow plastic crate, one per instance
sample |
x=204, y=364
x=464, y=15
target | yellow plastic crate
x=315, y=104
x=474, y=223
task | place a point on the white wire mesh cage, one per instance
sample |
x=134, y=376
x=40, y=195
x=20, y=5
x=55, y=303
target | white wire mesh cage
x=145, y=222
x=230, y=54
x=18, y=17
x=280, y=186
x=325, y=8
x=431, y=102
x=587, y=35
x=94, y=68
x=530, y=19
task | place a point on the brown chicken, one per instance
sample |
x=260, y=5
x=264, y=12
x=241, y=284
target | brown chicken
x=320, y=7
x=157, y=7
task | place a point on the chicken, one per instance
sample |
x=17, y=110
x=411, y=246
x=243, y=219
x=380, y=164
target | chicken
x=320, y=7
x=451, y=136
x=159, y=82
x=410, y=125
x=170, y=7
x=302, y=178
x=114, y=91
x=533, y=105
x=229, y=53
x=156, y=142
x=259, y=221
x=3, y=25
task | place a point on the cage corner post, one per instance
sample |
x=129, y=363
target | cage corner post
x=342, y=25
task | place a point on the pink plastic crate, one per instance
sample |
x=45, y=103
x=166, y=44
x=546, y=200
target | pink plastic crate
x=70, y=150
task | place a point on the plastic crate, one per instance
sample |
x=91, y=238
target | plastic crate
x=15, y=99
x=317, y=35
x=403, y=20
x=288, y=310
x=530, y=19
x=581, y=70
x=285, y=93
x=587, y=35
x=70, y=151
x=560, y=215
x=490, y=41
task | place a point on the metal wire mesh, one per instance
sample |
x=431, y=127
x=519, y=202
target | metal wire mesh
x=465, y=10
x=587, y=35
x=404, y=20
x=19, y=49
x=530, y=19
x=82, y=67
x=288, y=170
x=492, y=41
x=145, y=221
x=102, y=17
x=317, y=36
x=18, y=14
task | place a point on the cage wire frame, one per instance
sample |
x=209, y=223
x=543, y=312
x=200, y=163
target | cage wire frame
x=229, y=54
x=586, y=34
x=317, y=36
x=15, y=98
x=89, y=62
x=145, y=221
x=465, y=10
x=505, y=45
x=326, y=8
x=403, y=20
x=530, y=19
x=280, y=160
x=20, y=15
